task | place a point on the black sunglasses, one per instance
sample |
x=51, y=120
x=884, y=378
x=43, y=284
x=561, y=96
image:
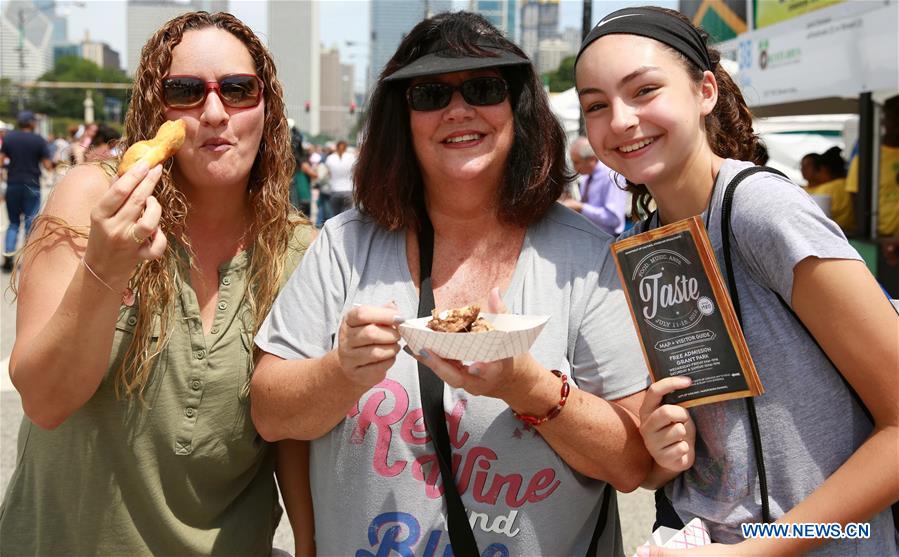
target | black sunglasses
x=235, y=91
x=477, y=91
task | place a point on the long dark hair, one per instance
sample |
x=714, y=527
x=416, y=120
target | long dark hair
x=728, y=127
x=388, y=180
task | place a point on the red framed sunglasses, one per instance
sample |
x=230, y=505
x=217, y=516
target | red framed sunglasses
x=235, y=90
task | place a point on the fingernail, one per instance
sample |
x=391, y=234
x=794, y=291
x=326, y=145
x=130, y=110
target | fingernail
x=424, y=354
x=397, y=319
x=476, y=371
x=408, y=350
x=643, y=551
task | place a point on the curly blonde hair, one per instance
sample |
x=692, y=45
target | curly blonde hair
x=156, y=283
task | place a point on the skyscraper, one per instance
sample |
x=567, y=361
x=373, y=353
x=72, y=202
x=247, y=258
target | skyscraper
x=501, y=13
x=293, y=40
x=60, y=22
x=99, y=53
x=390, y=21
x=144, y=17
x=36, y=54
x=539, y=21
x=337, y=92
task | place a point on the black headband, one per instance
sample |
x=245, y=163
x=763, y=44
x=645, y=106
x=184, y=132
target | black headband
x=654, y=24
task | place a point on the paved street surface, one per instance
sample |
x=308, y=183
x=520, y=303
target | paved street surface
x=636, y=508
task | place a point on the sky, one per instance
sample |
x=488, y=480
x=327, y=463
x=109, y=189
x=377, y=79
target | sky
x=340, y=21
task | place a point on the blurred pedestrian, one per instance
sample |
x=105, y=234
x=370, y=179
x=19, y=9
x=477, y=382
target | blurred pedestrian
x=828, y=178
x=340, y=168
x=602, y=201
x=301, y=193
x=83, y=141
x=664, y=113
x=27, y=152
x=103, y=145
x=323, y=184
x=138, y=300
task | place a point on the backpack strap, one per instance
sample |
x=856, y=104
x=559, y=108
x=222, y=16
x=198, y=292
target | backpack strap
x=726, y=207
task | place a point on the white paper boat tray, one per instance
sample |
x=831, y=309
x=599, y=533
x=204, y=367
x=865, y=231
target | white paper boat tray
x=513, y=335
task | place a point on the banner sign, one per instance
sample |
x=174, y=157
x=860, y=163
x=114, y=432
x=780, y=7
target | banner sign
x=840, y=51
x=768, y=12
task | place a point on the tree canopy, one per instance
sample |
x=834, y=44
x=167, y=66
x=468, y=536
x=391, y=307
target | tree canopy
x=70, y=102
x=561, y=79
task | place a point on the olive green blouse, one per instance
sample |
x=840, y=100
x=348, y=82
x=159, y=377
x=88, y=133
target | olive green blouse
x=183, y=474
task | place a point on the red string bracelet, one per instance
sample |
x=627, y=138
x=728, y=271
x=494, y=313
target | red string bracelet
x=535, y=421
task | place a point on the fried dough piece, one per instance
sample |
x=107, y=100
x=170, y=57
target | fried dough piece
x=481, y=325
x=459, y=320
x=167, y=141
x=456, y=320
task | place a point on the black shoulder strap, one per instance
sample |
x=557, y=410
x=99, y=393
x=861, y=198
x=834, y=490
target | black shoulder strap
x=726, y=206
x=460, y=534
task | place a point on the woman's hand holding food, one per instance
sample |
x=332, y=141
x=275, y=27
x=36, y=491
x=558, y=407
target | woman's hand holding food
x=368, y=342
x=125, y=227
x=493, y=379
x=667, y=429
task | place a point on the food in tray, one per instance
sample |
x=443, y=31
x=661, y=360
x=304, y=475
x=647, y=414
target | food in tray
x=166, y=143
x=459, y=320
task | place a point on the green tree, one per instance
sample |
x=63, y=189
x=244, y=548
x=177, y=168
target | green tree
x=7, y=100
x=561, y=79
x=70, y=102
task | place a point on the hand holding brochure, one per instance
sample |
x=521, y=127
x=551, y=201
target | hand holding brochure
x=683, y=314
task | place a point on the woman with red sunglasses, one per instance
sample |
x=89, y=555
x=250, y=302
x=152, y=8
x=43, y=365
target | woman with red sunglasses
x=138, y=300
x=456, y=184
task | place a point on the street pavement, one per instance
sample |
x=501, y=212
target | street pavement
x=637, y=510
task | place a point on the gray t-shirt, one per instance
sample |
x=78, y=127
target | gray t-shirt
x=809, y=422
x=375, y=482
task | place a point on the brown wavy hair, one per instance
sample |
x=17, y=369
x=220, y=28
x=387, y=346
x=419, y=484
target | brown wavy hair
x=728, y=127
x=156, y=283
x=389, y=185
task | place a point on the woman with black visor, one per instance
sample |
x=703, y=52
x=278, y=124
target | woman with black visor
x=461, y=165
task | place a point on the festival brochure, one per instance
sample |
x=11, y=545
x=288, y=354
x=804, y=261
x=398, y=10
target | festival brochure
x=683, y=314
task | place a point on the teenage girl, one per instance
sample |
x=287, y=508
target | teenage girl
x=661, y=111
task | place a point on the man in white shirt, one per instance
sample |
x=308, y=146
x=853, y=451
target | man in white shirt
x=340, y=166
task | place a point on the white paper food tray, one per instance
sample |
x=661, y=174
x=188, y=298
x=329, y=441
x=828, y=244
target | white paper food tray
x=694, y=534
x=513, y=335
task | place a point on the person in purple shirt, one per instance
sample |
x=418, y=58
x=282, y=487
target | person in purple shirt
x=602, y=201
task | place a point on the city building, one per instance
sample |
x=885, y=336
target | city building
x=144, y=17
x=572, y=36
x=24, y=22
x=293, y=31
x=539, y=21
x=60, y=22
x=550, y=54
x=338, y=94
x=390, y=21
x=99, y=53
x=68, y=49
x=501, y=13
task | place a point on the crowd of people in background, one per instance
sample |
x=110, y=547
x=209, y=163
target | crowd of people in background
x=322, y=187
